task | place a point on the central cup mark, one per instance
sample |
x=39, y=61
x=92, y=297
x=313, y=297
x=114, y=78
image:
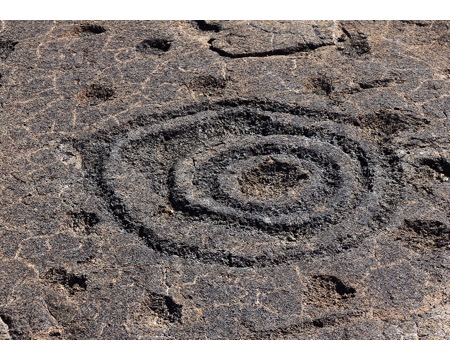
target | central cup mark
x=272, y=179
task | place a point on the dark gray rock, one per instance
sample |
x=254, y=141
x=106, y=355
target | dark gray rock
x=224, y=180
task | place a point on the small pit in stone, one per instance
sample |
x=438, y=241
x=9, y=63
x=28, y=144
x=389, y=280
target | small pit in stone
x=72, y=282
x=6, y=48
x=271, y=179
x=204, y=25
x=164, y=307
x=353, y=43
x=153, y=46
x=207, y=84
x=441, y=166
x=91, y=29
x=321, y=85
x=97, y=93
x=83, y=221
x=424, y=235
x=327, y=291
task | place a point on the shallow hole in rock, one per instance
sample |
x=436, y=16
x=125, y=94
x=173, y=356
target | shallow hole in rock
x=271, y=179
x=72, y=282
x=207, y=26
x=355, y=43
x=425, y=234
x=154, y=46
x=6, y=319
x=208, y=81
x=318, y=323
x=6, y=48
x=77, y=281
x=321, y=85
x=335, y=284
x=84, y=221
x=97, y=93
x=164, y=306
x=440, y=165
x=94, y=29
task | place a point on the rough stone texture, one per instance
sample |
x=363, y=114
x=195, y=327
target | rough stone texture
x=225, y=180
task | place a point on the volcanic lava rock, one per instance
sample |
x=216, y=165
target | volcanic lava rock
x=224, y=180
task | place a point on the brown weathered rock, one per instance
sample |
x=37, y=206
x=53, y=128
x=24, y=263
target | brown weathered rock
x=235, y=180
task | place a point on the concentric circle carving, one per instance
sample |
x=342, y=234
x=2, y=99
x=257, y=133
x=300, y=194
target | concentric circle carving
x=249, y=187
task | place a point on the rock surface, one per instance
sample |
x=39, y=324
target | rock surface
x=225, y=180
